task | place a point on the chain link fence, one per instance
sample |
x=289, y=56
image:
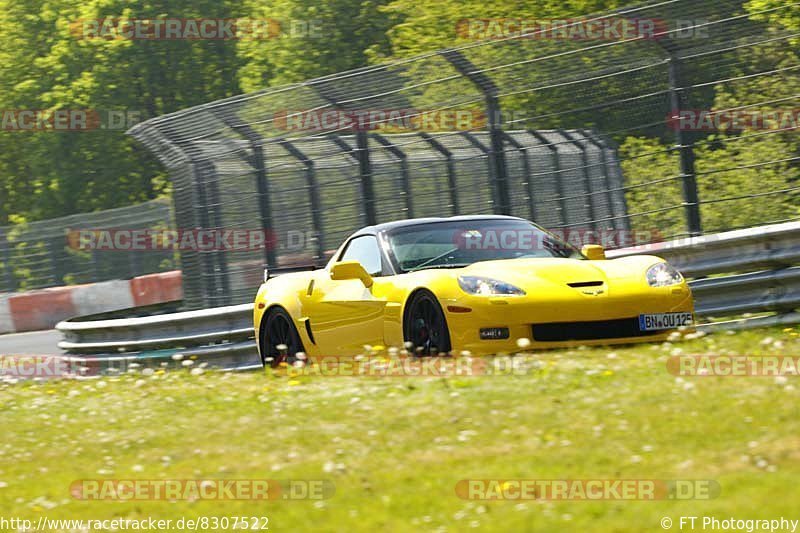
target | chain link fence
x=49, y=253
x=683, y=126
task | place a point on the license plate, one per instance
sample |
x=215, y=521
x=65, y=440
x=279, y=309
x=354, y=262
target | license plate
x=664, y=321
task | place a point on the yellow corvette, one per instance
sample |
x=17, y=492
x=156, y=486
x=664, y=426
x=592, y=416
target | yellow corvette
x=476, y=283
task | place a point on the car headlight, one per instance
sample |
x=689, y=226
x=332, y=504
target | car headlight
x=488, y=286
x=663, y=275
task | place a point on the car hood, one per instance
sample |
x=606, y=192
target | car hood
x=527, y=272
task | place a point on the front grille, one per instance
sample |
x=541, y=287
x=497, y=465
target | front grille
x=588, y=331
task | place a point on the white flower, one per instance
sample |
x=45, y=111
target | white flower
x=148, y=372
x=187, y=363
x=139, y=383
x=177, y=356
x=100, y=385
x=197, y=372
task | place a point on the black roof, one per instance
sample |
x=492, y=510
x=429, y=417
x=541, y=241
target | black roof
x=388, y=226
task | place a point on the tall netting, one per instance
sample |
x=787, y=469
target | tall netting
x=665, y=119
x=70, y=250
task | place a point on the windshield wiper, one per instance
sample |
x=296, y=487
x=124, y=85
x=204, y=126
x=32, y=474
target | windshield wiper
x=446, y=265
x=432, y=259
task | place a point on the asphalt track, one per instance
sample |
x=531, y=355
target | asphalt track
x=31, y=343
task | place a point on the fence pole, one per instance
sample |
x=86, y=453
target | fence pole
x=313, y=191
x=685, y=145
x=451, y=169
x=5, y=257
x=257, y=161
x=488, y=153
x=361, y=156
x=402, y=158
x=497, y=157
x=556, y=161
x=587, y=185
x=365, y=168
x=526, y=169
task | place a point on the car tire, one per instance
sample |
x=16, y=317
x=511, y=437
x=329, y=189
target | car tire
x=278, y=329
x=425, y=325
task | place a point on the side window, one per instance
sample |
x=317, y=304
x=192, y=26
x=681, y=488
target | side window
x=364, y=250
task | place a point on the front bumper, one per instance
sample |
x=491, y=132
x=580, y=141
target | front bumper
x=556, y=317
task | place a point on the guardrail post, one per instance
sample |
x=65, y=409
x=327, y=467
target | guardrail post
x=313, y=191
x=526, y=169
x=684, y=143
x=497, y=158
x=450, y=166
x=588, y=137
x=556, y=162
x=402, y=158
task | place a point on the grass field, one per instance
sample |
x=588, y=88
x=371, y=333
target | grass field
x=395, y=447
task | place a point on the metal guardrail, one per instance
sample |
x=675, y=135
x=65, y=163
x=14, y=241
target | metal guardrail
x=224, y=336
x=746, y=250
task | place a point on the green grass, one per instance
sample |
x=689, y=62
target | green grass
x=396, y=447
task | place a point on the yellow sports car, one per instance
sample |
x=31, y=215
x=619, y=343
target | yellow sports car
x=476, y=283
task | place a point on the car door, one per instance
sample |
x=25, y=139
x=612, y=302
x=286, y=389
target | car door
x=345, y=315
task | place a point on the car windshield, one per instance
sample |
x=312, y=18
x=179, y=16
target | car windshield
x=460, y=243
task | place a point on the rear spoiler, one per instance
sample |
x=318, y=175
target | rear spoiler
x=270, y=273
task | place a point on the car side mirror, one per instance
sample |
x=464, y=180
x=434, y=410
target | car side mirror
x=594, y=252
x=351, y=270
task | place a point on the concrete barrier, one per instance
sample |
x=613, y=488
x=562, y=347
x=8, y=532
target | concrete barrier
x=43, y=309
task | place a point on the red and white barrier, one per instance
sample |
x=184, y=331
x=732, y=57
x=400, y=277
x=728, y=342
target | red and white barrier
x=43, y=309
